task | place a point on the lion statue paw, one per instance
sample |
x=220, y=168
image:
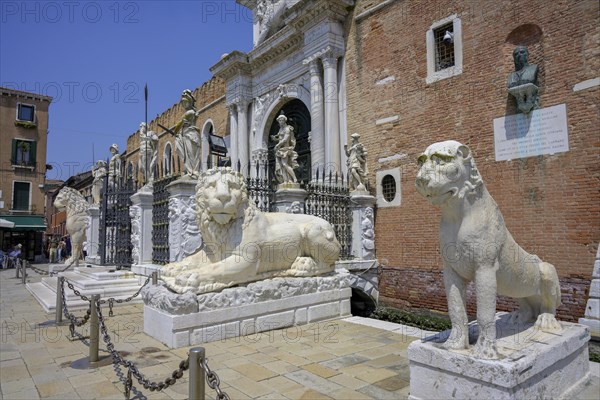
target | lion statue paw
x=547, y=322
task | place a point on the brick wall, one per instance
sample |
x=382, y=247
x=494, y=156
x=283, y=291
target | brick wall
x=209, y=99
x=551, y=203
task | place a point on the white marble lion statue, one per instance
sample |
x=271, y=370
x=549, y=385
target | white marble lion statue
x=242, y=244
x=476, y=246
x=78, y=219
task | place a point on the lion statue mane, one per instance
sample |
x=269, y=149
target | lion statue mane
x=78, y=219
x=241, y=244
x=476, y=246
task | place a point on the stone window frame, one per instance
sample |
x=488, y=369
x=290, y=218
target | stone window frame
x=381, y=201
x=18, y=112
x=167, y=167
x=29, y=205
x=457, y=69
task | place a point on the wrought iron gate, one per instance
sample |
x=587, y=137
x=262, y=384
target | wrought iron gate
x=329, y=198
x=115, y=223
x=160, y=220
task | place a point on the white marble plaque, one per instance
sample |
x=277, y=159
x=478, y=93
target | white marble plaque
x=542, y=131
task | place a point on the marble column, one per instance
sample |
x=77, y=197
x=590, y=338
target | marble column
x=93, y=235
x=317, y=144
x=233, y=135
x=243, y=136
x=141, y=223
x=332, y=121
x=205, y=151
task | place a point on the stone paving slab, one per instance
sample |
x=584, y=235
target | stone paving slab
x=355, y=358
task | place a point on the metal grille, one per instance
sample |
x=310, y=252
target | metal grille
x=160, y=220
x=444, y=51
x=388, y=187
x=115, y=224
x=329, y=198
x=260, y=188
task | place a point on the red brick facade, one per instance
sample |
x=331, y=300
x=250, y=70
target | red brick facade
x=551, y=203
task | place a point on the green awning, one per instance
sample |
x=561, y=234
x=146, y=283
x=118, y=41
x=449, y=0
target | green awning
x=26, y=222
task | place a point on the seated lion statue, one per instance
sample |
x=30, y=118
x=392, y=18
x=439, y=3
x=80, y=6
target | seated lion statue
x=78, y=219
x=242, y=244
x=476, y=246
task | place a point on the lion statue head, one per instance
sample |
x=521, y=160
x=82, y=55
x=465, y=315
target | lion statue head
x=222, y=203
x=71, y=200
x=447, y=173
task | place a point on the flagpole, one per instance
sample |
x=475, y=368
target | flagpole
x=146, y=122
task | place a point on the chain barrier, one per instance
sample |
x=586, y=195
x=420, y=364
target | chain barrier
x=110, y=300
x=132, y=369
x=47, y=273
x=74, y=321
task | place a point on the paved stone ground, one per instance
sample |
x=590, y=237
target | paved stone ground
x=339, y=359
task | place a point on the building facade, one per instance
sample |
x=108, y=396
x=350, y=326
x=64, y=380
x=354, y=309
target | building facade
x=405, y=75
x=23, y=139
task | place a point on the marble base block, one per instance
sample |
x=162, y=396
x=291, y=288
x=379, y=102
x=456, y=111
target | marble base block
x=534, y=365
x=187, y=320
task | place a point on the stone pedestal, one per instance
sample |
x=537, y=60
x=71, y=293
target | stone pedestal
x=592, y=310
x=363, y=225
x=184, y=235
x=535, y=364
x=141, y=226
x=93, y=235
x=180, y=320
x=287, y=194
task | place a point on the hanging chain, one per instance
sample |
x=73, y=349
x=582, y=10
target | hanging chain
x=67, y=314
x=213, y=381
x=119, y=301
x=117, y=359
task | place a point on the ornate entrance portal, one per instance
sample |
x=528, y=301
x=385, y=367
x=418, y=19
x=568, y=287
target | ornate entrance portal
x=299, y=117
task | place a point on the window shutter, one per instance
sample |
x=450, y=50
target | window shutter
x=32, y=153
x=13, y=158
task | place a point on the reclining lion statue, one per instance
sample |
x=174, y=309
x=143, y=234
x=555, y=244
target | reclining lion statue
x=242, y=244
x=78, y=220
x=476, y=246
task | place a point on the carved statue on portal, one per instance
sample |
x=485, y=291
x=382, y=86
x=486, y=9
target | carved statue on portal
x=99, y=173
x=285, y=153
x=78, y=219
x=523, y=82
x=478, y=247
x=148, y=152
x=114, y=165
x=187, y=141
x=368, y=234
x=357, y=164
x=269, y=16
x=243, y=244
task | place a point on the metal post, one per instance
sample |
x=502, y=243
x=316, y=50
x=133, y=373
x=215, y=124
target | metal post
x=59, y=302
x=155, y=278
x=17, y=267
x=94, y=330
x=23, y=271
x=197, y=374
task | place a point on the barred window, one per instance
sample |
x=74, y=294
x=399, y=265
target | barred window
x=444, y=46
x=388, y=184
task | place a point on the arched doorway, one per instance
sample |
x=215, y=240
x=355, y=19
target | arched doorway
x=299, y=117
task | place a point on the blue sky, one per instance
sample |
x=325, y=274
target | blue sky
x=94, y=58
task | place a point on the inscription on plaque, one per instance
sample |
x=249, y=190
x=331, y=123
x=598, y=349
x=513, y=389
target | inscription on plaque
x=543, y=131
